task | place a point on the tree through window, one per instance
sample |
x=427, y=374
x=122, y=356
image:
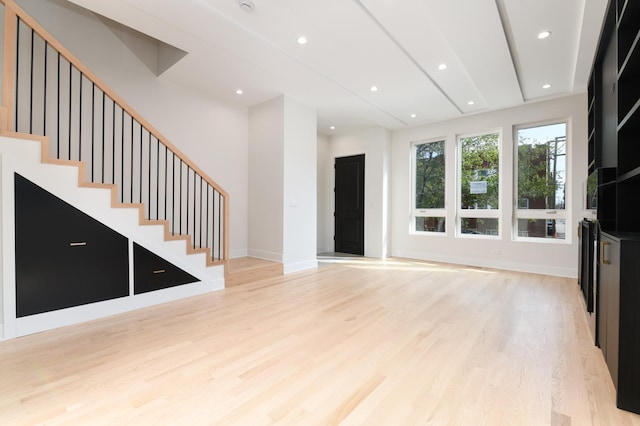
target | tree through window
x=479, y=184
x=429, y=187
x=541, y=181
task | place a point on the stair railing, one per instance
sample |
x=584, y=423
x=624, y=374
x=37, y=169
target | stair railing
x=47, y=91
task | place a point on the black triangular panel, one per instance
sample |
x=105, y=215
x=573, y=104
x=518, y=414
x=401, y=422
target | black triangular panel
x=64, y=257
x=151, y=272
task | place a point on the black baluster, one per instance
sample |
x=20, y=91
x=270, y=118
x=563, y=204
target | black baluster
x=17, y=97
x=31, y=87
x=80, y=121
x=58, y=111
x=44, y=104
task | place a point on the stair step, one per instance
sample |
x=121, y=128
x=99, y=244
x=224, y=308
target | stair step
x=243, y=270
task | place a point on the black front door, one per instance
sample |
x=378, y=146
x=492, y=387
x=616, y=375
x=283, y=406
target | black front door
x=349, y=202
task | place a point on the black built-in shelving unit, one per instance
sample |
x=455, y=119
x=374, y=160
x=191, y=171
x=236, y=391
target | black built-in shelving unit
x=614, y=157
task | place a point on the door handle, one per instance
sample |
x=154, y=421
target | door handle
x=159, y=271
x=77, y=244
x=603, y=258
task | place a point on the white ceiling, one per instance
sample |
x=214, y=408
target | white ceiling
x=491, y=48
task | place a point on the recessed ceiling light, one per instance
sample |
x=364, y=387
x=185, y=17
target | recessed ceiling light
x=239, y=92
x=332, y=127
x=470, y=103
x=246, y=5
x=544, y=34
x=374, y=88
x=442, y=67
x=413, y=116
x=546, y=86
x=302, y=40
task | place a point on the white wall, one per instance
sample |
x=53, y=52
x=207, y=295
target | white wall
x=210, y=132
x=282, y=183
x=300, y=184
x=374, y=143
x=325, y=195
x=266, y=177
x=549, y=257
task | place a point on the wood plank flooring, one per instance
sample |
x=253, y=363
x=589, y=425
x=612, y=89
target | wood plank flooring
x=248, y=269
x=355, y=342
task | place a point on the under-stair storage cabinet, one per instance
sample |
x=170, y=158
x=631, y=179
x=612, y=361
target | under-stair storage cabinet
x=64, y=258
x=619, y=314
x=151, y=272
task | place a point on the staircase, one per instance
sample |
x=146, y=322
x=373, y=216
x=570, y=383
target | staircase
x=48, y=92
x=62, y=128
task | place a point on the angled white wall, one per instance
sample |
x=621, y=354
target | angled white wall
x=283, y=183
x=266, y=180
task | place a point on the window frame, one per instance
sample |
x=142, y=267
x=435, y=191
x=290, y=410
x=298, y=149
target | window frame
x=478, y=213
x=427, y=212
x=542, y=214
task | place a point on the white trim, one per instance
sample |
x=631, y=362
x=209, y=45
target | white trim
x=266, y=255
x=288, y=268
x=64, y=317
x=487, y=263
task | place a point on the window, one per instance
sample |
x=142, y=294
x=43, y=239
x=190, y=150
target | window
x=428, y=182
x=479, y=191
x=541, y=158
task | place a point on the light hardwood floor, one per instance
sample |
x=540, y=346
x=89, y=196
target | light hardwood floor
x=362, y=342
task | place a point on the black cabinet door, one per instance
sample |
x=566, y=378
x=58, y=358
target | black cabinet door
x=610, y=281
x=64, y=258
x=151, y=272
x=629, y=326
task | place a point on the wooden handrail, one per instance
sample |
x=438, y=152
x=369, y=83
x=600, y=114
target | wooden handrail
x=14, y=11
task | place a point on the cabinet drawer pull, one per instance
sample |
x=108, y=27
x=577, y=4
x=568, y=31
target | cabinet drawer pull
x=602, y=253
x=77, y=244
x=159, y=271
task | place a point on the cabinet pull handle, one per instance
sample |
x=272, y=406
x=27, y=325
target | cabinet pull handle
x=159, y=271
x=602, y=253
x=76, y=244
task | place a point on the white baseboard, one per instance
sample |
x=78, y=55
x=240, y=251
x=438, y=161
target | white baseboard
x=299, y=266
x=266, y=255
x=484, y=263
x=78, y=314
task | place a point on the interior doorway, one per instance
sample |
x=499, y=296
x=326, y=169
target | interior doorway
x=349, y=205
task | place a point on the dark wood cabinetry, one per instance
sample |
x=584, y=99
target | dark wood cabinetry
x=586, y=261
x=614, y=152
x=151, y=272
x=619, y=314
x=64, y=258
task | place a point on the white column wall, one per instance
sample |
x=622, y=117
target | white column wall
x=266, y=180
x=300, y=185
x=325, y=195
x=282, y=183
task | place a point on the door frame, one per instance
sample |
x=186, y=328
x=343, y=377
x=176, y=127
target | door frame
x=342, y=154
